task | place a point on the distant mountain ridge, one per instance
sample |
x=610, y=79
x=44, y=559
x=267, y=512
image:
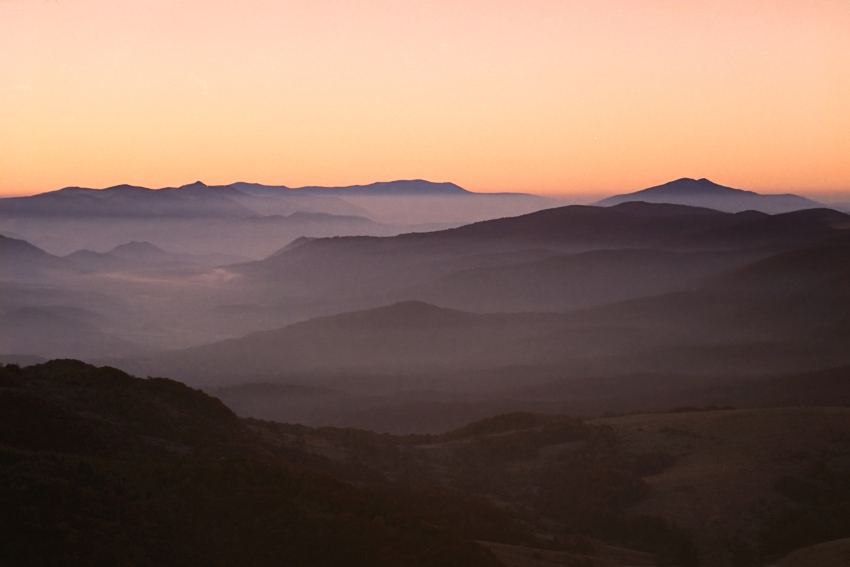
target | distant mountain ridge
x=408, y=187
x=199, y=189
x=197, y=199
x=248, y=200
x=705, y=193
x=19, y=258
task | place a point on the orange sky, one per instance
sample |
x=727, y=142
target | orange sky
x=543, y=96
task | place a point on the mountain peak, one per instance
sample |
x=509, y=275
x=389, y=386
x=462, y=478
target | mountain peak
x=196, y=184
x=708, y=194
x=689, y=185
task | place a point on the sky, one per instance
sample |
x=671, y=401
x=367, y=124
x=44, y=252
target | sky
x=544, y=96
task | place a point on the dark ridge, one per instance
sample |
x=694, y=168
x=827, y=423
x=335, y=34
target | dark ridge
x=151, y=472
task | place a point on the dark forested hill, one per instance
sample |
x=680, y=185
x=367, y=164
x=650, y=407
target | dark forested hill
x=98, y=468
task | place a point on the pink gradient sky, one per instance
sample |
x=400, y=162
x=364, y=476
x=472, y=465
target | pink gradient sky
x=543, y=96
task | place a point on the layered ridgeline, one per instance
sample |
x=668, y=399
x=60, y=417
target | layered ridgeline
x=423, y=331
x=245, y=219
x=550, y=311
x=100, y=468
x=704, y=193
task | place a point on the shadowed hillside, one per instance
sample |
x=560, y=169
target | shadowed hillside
x=99, y=468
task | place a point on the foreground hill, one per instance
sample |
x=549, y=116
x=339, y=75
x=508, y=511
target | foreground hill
x=99, y=468
x=713, y=486
x=704, y=193
x=760, y=482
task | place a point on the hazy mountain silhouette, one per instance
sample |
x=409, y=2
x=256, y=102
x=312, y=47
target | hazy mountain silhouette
x=731, y=309
x=704, y=193
x=401, y=187
x=335, y=269
x=16, y=250
x=134, y=255
x=198, y=200
x=399, y=338
x=230, y=229
x=637, y=287
x=20, y=260
x=194, y=200
x=753, y=299
x=573, y=281
x=59, y=332
x=245, y=219
x=669, y=226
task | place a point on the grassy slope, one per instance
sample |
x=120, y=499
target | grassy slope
x=728, y=462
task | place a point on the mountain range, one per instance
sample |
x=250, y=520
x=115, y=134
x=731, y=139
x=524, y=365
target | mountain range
x=201, y=200
x=583, y=292
x=244, y=219
x=479, y=314
x=463, y=354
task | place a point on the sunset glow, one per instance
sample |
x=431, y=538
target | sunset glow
x=535, y=96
